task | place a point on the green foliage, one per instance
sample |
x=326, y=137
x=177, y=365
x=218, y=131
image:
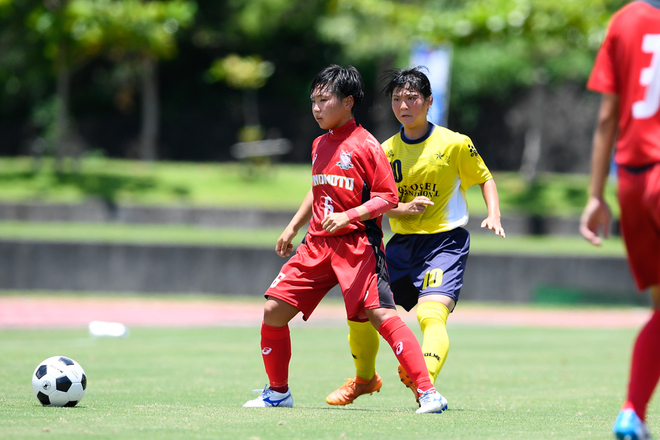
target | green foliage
x=88, y=27
x=44, y=114
x=504, y=46
x=119, y=26
x=261, y=18
x=500, y=46
x=241, y=72
x=281, y=32
x=503, y=70
x=251, y=133
x=370, y=29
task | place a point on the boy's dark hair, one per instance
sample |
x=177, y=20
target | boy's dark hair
x=342, y=81
x=408, y=79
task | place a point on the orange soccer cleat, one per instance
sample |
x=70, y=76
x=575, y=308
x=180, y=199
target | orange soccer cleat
x=405, y=379
x=353, y=389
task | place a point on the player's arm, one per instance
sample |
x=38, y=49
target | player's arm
x=416, y=207
x=370, y=209
x=492, y=199
x=300, y=218
x=596, y=214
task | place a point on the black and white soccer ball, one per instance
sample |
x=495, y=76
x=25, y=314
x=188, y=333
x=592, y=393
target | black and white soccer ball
x=59, y=381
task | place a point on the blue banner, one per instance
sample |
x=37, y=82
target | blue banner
x=438, y=61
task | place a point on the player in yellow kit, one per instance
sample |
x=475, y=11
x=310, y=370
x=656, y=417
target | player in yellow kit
x=426, y=257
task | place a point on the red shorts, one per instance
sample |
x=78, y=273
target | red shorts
x=354, y=261
x=639, y=199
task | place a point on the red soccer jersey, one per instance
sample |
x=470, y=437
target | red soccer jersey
x=628, y=65
x=349, y=168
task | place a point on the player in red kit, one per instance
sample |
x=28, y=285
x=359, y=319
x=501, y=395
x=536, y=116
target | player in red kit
x=352, y=186
x=627, y=73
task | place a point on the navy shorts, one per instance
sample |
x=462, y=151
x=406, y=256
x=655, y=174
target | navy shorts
x=425, y=264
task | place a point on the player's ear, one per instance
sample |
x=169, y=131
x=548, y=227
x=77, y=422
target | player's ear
x=349, y=101
x=429, y=100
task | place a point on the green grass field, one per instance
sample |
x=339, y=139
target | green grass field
x=267, y=237
x=155, y=183
x=501, y=382
x=280, y=187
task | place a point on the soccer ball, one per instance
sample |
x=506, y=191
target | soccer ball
x=59, y=381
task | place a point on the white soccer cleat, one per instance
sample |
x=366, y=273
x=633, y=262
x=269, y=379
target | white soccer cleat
x=269, y=398
x=431, y=402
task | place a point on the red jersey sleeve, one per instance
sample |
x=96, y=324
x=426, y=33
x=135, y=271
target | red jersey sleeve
x=603, y=78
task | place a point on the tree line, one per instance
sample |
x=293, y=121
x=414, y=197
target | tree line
x=183, y=79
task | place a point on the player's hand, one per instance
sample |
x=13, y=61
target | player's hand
x=596, y=216
x=417, y=206
x=284, y=247
x=494, y=224
x=335, y=221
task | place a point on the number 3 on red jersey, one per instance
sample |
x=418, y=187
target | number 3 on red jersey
x=649, y=78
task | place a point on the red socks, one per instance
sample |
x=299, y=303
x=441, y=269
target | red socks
x=645, y=368
x=407, y=351
x=276, y=352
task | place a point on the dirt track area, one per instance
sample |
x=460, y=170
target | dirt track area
x=47, y=312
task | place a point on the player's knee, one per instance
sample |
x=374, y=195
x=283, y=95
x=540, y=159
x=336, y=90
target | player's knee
x=378, y=316
x=278, y=313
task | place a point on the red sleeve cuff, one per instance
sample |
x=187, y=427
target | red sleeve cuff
x=353, y=215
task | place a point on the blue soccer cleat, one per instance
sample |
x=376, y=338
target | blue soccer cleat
x=269, y=398
x=629, y=426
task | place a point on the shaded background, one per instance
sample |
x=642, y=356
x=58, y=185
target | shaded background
x=518, y=73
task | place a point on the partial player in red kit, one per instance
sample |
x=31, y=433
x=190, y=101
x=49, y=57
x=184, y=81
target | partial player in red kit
x=627, y=73
x=352, y=186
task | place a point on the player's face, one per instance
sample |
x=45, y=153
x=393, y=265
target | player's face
x=410, y=107
x=330, y=111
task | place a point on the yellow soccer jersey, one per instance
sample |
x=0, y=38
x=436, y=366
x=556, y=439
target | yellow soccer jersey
x=440, y=166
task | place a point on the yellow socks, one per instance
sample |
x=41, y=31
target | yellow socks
x=432, y=317
x=364, y=340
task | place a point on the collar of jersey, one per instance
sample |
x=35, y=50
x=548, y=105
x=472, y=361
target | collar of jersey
x=343, y=131
x=420, y=140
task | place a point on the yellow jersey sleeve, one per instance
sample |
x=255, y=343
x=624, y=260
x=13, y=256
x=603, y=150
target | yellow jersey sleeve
x=440, y=167
x=472, y=169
